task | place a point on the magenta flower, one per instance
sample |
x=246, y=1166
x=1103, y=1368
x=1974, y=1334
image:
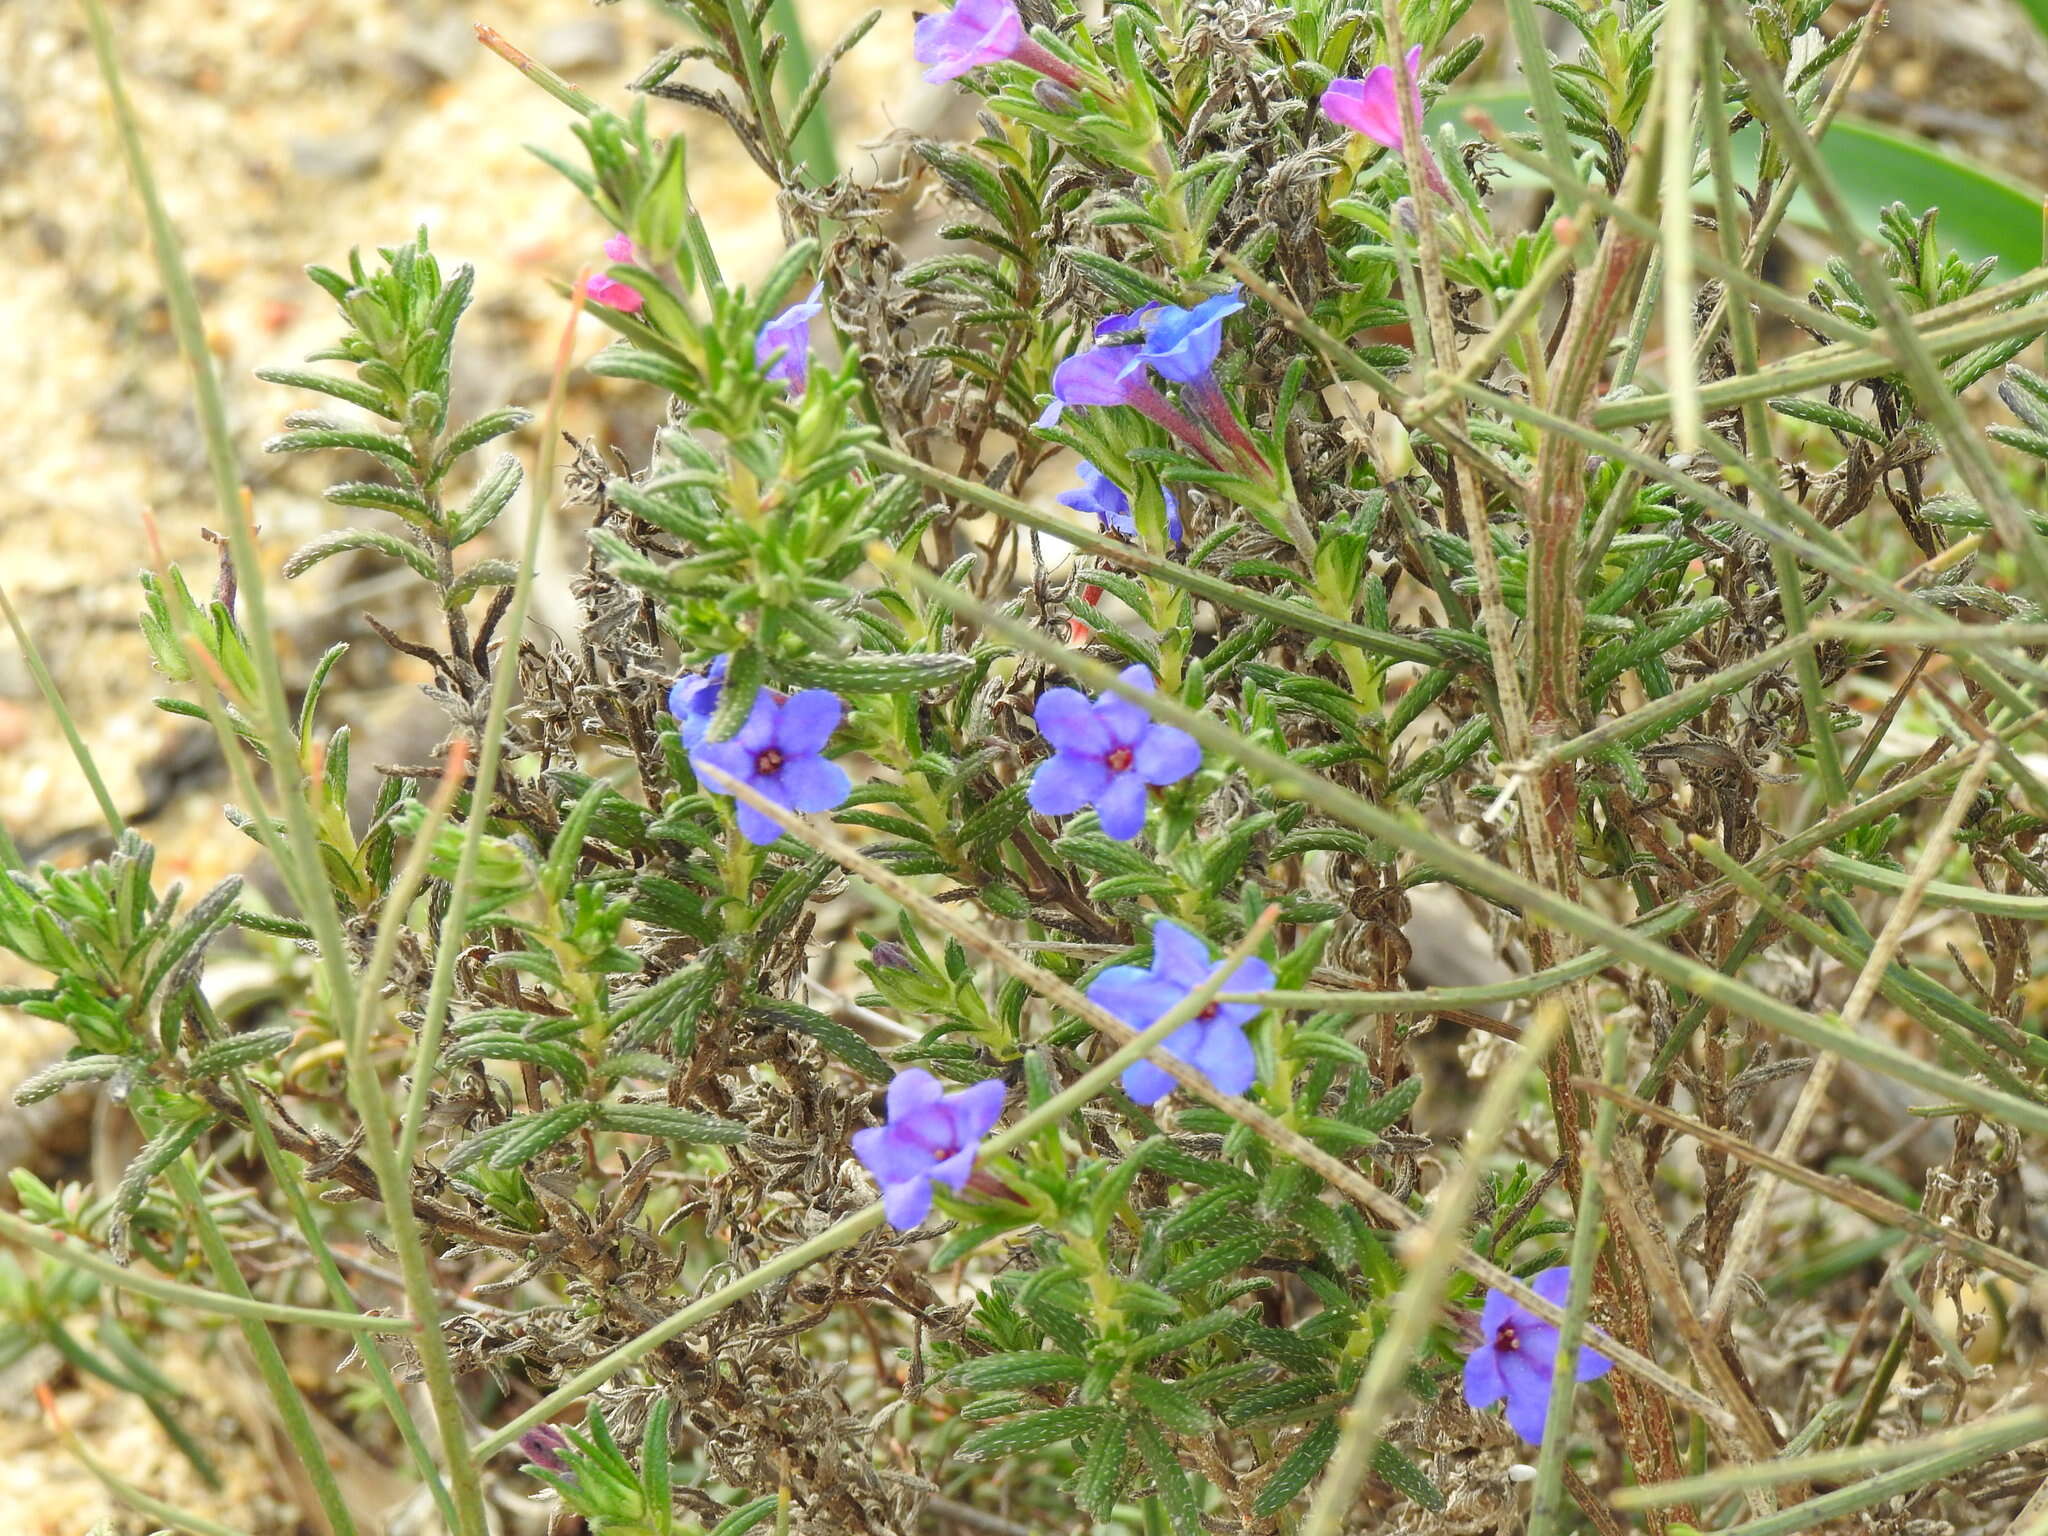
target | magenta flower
x=978, y=32
x=1516, y=1356
x=1107, y=753
x=1213, y=1041
x=783, y=349
x=932, y=1138
x=779, y=754
x=608, y=291
x=1372, y=106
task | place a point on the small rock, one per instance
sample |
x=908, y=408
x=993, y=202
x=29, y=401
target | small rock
x=339, y=156
x=592, y=43
x=434, y=52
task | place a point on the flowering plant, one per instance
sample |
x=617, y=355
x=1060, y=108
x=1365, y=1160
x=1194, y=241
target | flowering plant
x=1152, y=825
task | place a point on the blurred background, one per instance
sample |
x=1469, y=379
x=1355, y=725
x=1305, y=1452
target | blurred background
x=286, y=131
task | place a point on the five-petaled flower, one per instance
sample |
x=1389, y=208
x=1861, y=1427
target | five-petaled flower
x=932, y=1138
x=978, y=32
x=1106, y=499
x=1106, y=753
x=779, y=754
x=789, y=334
x=1372, y=106
x=1213, y=1041
x=693, y=700
x=1516, y=1356
x=599, y=288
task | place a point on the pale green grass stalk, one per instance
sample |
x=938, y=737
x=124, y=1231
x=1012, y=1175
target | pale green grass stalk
x=854, y=1227
x=1757, y=1198
x=1526, y=27
x=1546, y=1508
x=293, y=1416
x=1484, y=875
x=1430, y=1253
x=175, y=1293
x=2002, y=1429
x=47, y=686
x=277, y=727
x=1677, y=79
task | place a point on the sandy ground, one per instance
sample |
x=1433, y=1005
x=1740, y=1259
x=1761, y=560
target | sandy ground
x=285, y=131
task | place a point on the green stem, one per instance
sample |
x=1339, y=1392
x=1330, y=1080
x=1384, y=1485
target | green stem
x=47, y=686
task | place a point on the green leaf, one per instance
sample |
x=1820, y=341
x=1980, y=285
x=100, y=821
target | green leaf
x=344, y=539
x=520, y=1138
x=488, y=499
x=1170, y=1404
x=237, y=1051
x=1403, y=1475
x=877, y=671
x=1101, y=1476
x=1030, y=1433
x=55, y=1079
x=1018, y=1368
x=1294, y=1474
x=1175, y=1493
x=835, y=1037
x=675, y=1124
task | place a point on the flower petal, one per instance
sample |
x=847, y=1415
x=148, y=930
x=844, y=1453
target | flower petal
x=955, y=1171
x=908, y=1203
x=1147, y=1084
x=1553, y=1284
x=1592, y=1364
x=1179, y=955
x=1483, y=1384
x=1225, y=1056
x=813, y=784
x=1137, y=997
x=1528, y=1395
x=1066, y=719
x=1500, y=1308
x=755, y=827
x=758, y=734
x=1121, y=807
x=975, y=1109
x=1123, y=720
x=727, y=757
x=912, y=1090
x=1065, y=782
x=888, y=1156
x=1166, y=755
x=807, y=722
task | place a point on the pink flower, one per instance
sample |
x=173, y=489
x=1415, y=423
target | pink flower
x=979, y=32
x=1372, y=106
x=600, y=289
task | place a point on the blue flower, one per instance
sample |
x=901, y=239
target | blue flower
x=932, y=1138
x=1105, y=498
x=1182, y=344
x=978, y=32
x=1106, y=752
x=779, y=754
x=1103, y=376
x=1516, y=1357
x=1138, y=320
x=1213, y=1042
x=694, y=700
x=789, y=333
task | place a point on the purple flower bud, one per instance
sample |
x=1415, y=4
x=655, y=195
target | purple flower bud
x=789, y=334
x=978, y=32
x=612, y=294
x=543, y=1445
x=932, y=1138
x=694, y=700
x=1516, y=1356
x=1107, y=753
x=779, y=753
x=891, y=956
x=1106, y=499
x=1213, y=1042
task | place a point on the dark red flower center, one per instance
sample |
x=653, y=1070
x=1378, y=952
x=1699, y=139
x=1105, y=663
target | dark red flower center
x=769, y=762
x=1208, y=1012
x=1506, y=1337
x=1120, y=760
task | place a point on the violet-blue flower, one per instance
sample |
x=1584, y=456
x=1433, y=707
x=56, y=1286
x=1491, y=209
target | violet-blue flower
x=1106, y=753
x=1117, y=376
x=779, y=754
x=1213, y=1042
x=693, y=700
x=789, y=333
x=1516, y=1356
x=1106, y=499
x=1182, y=344
x=932, y=1138
x=978, y=32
